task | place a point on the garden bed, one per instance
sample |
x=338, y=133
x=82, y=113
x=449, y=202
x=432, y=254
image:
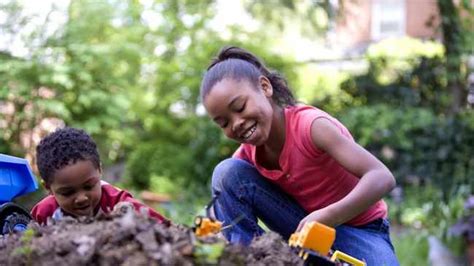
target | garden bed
x=127, y=238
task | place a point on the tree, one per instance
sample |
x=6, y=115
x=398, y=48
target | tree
x=129, y=73
x=456, y=40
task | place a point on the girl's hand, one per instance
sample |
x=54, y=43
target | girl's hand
x=323, y=216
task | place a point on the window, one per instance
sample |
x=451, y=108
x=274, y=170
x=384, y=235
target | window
x=388, y=19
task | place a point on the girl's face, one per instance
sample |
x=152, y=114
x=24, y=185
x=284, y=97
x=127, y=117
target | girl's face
x=76, y=188
x=242, y=111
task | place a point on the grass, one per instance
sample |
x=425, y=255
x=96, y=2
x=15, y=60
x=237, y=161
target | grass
x=411, y=248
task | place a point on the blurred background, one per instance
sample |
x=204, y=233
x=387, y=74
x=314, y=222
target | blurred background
x=397, y=73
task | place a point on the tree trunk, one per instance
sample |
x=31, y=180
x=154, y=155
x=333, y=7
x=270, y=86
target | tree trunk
x=453, y=41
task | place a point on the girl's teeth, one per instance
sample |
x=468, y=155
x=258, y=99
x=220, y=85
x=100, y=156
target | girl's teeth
x=249, y=132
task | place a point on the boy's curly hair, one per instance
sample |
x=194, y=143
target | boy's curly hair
x=64, y=147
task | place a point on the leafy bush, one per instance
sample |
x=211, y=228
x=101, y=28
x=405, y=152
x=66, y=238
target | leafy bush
x=423, y=85
x=401, y=115
x=422, y=214
x=390, y=57
x=411, y=248
x=417, y=145
x=188, y=163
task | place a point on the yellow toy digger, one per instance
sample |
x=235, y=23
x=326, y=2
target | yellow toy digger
x=313, y=244
x=205, y=225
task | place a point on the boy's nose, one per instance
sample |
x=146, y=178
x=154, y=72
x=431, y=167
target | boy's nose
x=81, y=199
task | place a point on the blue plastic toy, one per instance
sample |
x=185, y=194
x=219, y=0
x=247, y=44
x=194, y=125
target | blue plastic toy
x=16, y=179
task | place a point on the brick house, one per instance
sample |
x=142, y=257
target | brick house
x=366, y=21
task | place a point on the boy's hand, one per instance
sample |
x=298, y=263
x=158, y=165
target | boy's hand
x=122, y=208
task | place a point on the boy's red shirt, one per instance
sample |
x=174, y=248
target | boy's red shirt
x=110, y=197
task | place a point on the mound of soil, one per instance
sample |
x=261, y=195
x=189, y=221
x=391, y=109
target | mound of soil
x=127, y=238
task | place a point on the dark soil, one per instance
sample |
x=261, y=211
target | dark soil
x=127, y=238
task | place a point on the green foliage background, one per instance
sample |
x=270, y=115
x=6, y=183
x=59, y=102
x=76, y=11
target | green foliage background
x=128, y=72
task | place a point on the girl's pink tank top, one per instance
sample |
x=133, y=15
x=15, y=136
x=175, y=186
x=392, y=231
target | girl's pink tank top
x=312, y=177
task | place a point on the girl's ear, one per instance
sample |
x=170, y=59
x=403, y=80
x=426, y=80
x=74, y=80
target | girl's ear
x=265, y=86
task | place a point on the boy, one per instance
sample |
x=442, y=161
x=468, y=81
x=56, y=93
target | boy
x=69, y=164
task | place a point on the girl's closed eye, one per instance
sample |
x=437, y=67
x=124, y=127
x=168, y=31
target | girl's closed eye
x=221, y=122
x=241, y=109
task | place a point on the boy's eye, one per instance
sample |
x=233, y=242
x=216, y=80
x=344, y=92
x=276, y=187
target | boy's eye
x=66, y=193
x=90, y=186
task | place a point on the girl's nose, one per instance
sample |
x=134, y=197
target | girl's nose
x=237, y=125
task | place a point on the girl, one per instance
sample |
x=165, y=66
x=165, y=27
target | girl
x=295, y=163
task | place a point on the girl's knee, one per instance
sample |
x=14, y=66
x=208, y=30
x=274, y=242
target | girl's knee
x=226, y=173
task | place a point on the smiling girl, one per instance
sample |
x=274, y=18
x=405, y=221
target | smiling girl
x=295, y=163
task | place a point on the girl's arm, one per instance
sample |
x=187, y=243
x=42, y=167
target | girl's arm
x=375, y=178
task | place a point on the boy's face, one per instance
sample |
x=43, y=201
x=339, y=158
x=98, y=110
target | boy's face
x=76, y=188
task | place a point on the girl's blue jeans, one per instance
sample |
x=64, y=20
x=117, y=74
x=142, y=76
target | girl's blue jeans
x=245, y=196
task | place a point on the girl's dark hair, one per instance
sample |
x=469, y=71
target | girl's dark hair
x=237, y=63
